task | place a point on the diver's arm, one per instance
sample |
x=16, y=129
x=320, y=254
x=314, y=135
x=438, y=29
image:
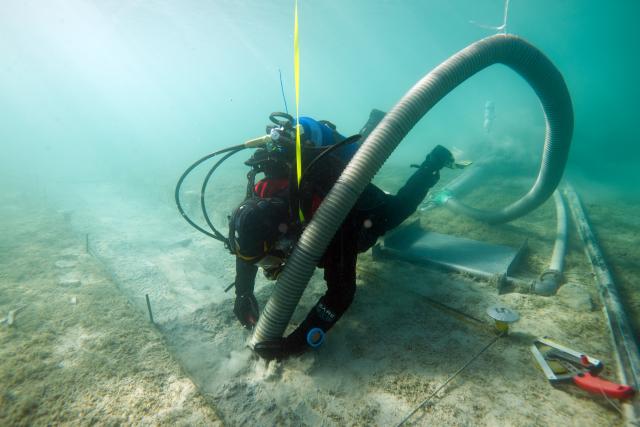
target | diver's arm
x=245, y=306
x=245, y=277
x=340, y=275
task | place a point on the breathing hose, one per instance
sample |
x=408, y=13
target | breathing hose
x=509, y=50
x=216, y=234
x=203, y=191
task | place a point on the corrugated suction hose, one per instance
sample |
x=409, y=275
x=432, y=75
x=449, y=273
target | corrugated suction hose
x=509, y=50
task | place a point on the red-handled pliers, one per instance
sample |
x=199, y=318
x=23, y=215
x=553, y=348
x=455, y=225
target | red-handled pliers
x=579, y=368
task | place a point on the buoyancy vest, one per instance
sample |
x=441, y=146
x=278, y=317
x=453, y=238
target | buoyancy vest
x=279, y=187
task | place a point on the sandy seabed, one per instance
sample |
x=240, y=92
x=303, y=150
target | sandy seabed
x=78, y=352
x=82, y=350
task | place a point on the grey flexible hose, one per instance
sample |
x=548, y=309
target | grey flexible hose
x=510, y=50
x=549, y=280
x=560, y=246
x=550, y=87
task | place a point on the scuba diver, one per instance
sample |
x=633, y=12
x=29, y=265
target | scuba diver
x=264, y=228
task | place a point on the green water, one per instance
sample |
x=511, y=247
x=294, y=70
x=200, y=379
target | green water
x=103, y=102
x=135, y=90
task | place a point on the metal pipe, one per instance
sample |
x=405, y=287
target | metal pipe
x=623, y=339
x=509, y=50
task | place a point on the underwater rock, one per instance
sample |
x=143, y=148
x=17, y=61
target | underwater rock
x=575, y=296
x=65, y=263
x=70, y=279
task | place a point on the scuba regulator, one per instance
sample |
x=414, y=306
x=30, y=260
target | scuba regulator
x=279, y=138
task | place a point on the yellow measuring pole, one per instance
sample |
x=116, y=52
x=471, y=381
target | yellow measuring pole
x=296, y=72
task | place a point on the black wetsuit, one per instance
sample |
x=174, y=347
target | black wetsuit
x=374, y=214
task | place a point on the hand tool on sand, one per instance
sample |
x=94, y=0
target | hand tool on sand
x=563, y=365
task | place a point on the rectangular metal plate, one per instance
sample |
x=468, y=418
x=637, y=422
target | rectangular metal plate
x=412, y=243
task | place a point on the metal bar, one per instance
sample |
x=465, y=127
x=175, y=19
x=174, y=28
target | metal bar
x=623, y=338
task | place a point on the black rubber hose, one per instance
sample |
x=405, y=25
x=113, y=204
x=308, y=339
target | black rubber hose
x=203, y=190
x=326, y=152
x=181, y=180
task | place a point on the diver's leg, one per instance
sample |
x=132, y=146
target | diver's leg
x=375, y=117
x=406, y=201
x=340, y=275
x=377, y=212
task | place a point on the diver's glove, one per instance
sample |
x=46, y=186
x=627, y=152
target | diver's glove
x=281, y=348
x=438, y=158
x=246, y=310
